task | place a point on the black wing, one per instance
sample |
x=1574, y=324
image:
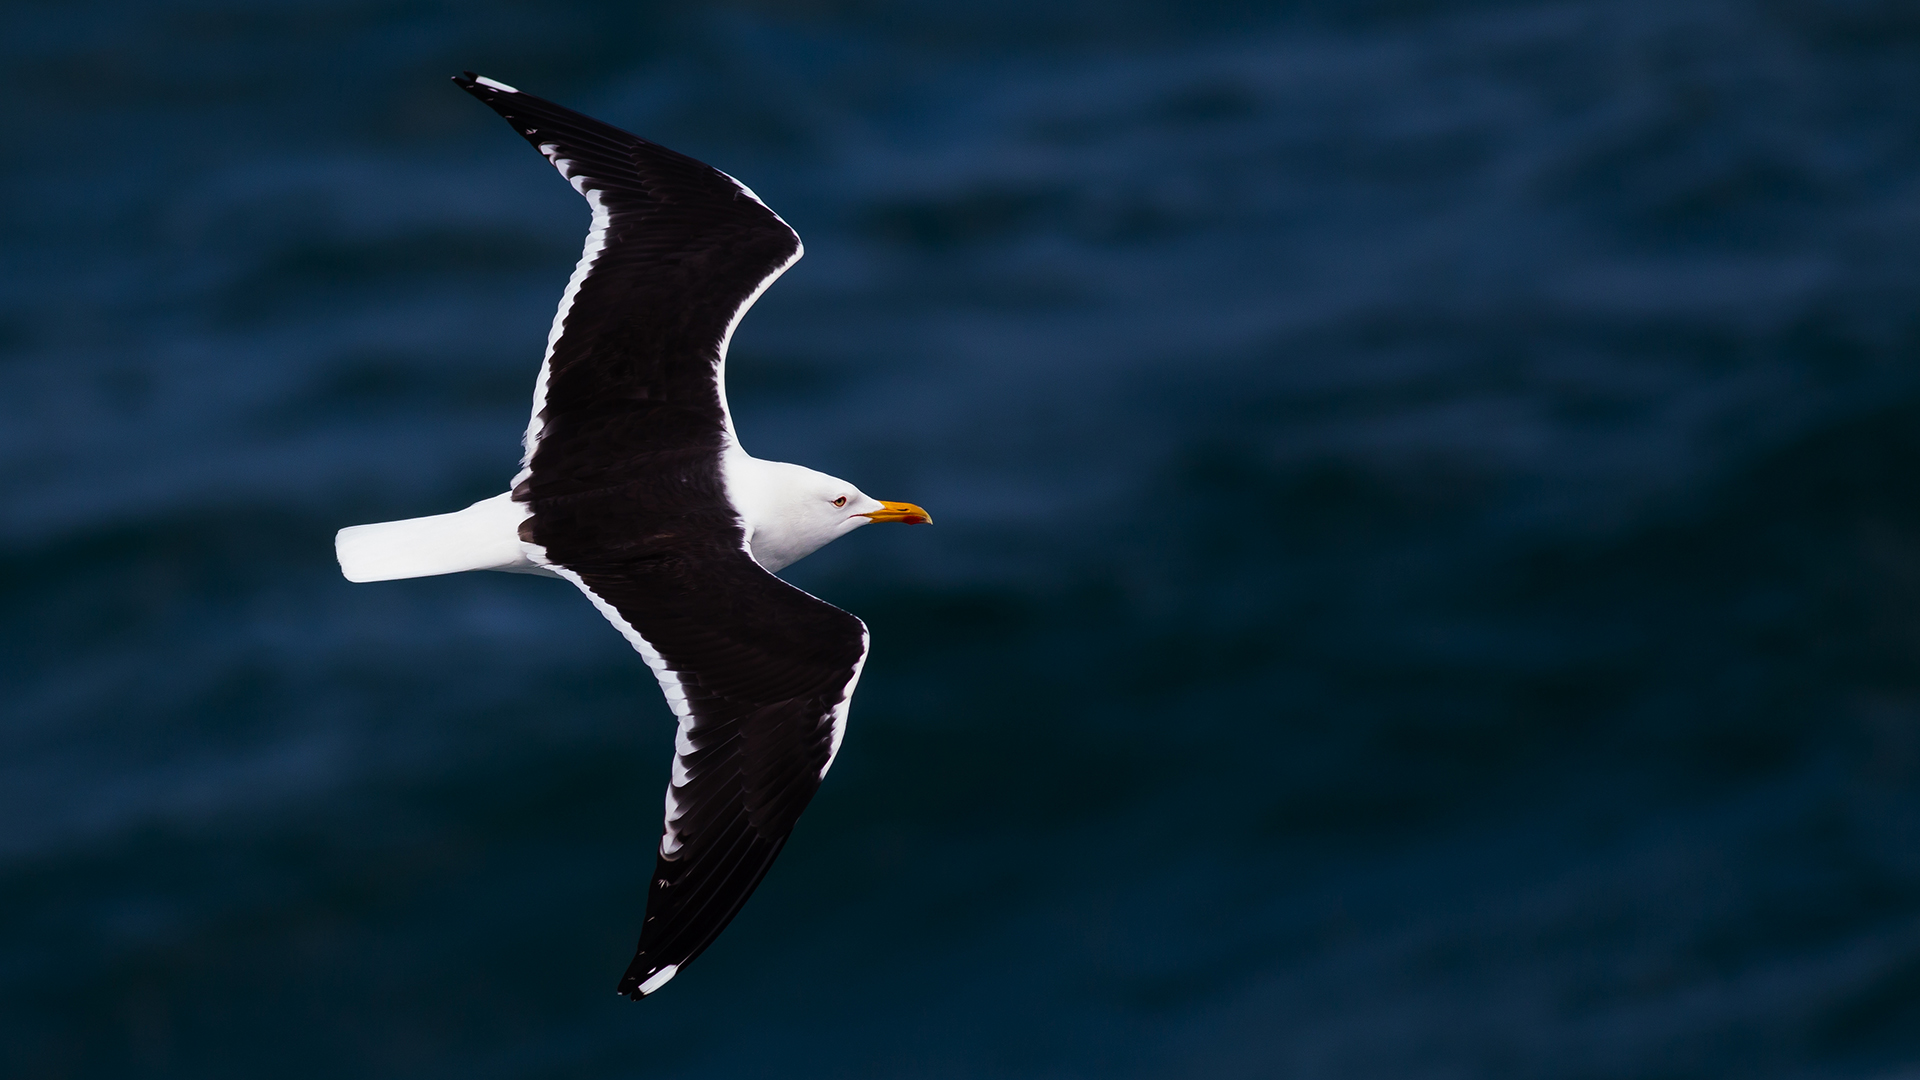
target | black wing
x=760, y=675
x=677, y=252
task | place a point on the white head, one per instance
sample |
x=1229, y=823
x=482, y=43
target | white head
x=791, y=512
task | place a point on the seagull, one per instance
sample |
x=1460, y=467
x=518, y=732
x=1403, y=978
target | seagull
x=635, y=488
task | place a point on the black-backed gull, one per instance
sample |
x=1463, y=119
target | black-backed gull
x=635, y=488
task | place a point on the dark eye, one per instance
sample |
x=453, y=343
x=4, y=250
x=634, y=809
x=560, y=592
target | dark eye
x=841, y=501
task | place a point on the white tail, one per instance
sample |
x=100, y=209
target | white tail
x=484, y=536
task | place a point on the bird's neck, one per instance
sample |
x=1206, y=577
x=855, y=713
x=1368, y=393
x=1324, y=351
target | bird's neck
x=767, y=497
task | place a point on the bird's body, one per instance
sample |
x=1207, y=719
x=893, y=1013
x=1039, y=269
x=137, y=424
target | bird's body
x=635, y=488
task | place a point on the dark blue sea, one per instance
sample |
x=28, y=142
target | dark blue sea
x=1425, y=582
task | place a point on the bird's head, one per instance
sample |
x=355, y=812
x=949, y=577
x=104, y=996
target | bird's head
x=792, y=511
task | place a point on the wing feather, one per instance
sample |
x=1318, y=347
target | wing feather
x=676, y=253
x=766, y=673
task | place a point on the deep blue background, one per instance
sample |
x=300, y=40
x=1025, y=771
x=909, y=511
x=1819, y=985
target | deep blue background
x=1426, y=582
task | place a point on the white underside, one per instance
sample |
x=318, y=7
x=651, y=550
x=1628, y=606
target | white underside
x=484, y=536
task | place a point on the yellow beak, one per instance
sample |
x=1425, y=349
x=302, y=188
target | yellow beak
x=905, y=513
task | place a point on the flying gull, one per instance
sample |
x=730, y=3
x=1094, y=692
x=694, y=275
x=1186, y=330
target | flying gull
x=635, y=488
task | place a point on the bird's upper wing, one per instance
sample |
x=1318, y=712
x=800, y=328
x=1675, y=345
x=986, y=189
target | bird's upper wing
x=760, y=675
x=675, y=255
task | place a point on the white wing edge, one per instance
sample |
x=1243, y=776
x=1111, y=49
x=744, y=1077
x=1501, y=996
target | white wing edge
x=846, y=696
x=589, y=255
x=596, y=242
x=726, y=339
x=676, y=696
x=670, y=686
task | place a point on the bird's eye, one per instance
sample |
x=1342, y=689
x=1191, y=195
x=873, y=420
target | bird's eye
x=841, y=501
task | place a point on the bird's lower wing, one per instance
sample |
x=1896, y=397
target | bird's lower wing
x=759, y=674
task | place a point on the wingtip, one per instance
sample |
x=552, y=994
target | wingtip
x=635, y=989
x=479, y=84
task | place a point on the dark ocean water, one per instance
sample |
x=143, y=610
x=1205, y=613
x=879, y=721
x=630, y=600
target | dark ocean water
x=1426, y=582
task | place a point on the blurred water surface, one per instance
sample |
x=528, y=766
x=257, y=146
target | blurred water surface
x=1427, y=579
